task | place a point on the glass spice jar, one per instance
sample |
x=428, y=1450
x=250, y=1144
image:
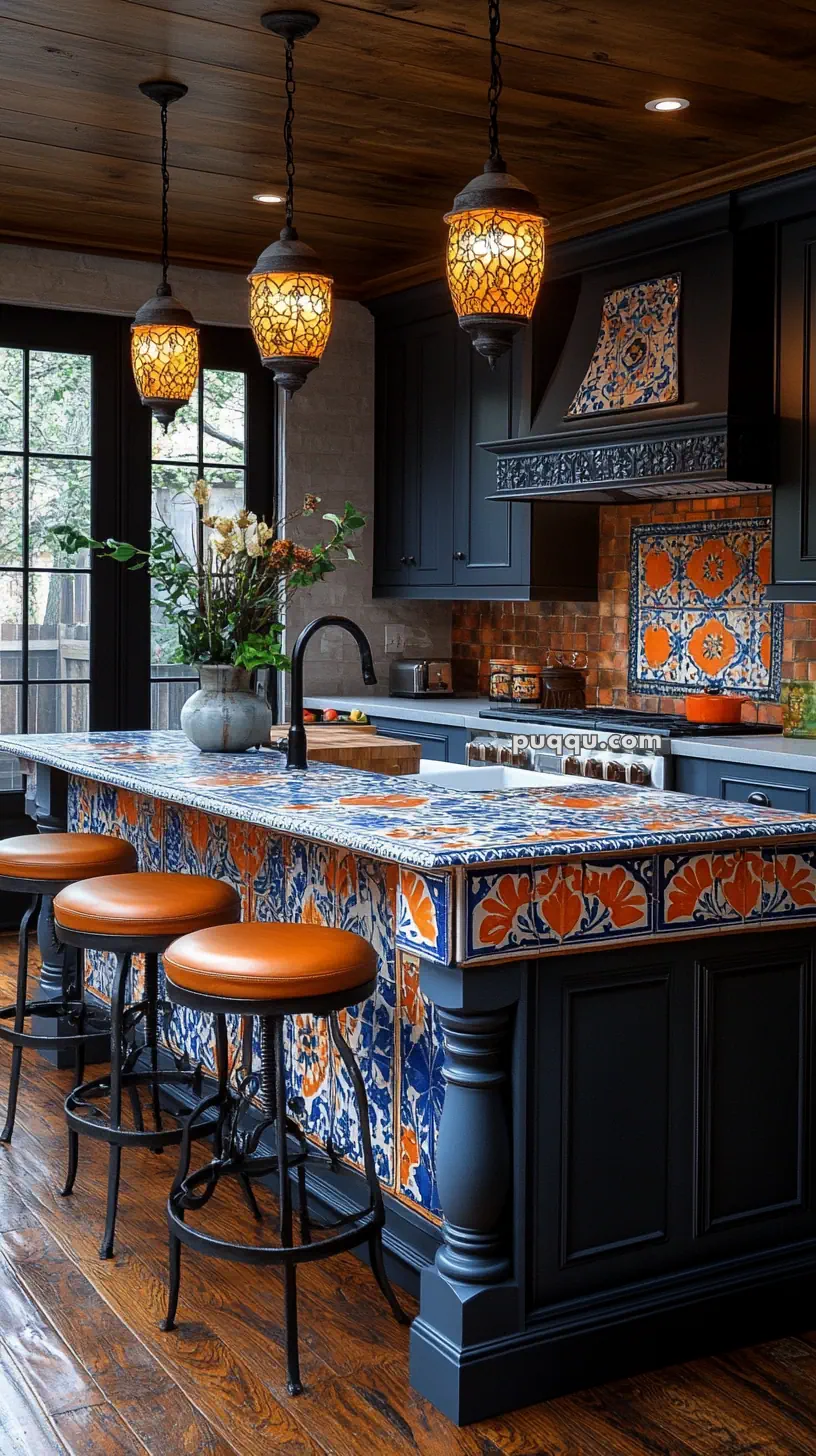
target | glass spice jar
x=501, y=679
x=526, y=683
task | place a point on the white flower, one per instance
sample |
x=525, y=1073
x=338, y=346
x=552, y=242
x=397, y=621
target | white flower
x=246, y=518
x=264, y=532
x=252, y=544
x=201, y=493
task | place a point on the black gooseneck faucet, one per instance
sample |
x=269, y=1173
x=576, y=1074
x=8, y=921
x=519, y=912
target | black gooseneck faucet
x=296, y=746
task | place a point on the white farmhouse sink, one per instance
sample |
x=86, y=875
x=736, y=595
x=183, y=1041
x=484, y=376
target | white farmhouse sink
x=483, y=778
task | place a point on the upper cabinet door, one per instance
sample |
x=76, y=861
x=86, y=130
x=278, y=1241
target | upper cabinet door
x=794, y=534
x=491, y=538
x=413, y=525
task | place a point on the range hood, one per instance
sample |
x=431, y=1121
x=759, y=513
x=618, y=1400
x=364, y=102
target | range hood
x=711, y=427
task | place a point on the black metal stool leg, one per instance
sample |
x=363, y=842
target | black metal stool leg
x=152, y=1034
x=272, y=1027
x=118, y=998
x=375, y=1241
x=222, y=1072
x=185, y=1149
x=77, y=993
x=19, y=1018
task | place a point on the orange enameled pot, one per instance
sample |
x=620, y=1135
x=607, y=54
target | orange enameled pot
x=714, y=707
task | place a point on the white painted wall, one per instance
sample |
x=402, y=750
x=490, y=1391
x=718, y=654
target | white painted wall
x=328, y=434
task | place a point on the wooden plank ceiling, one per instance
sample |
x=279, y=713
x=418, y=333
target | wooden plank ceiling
x=390, y=118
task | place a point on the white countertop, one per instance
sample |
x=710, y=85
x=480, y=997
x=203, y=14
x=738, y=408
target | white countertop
x=451, y=712
x=766, y=750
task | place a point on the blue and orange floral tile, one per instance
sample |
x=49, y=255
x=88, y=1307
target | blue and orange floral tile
x=425, y=914
x=698, y=615
x=418, y=826
x=636, y=360
x=421, y=1090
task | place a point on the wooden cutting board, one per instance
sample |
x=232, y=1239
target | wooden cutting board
x=359, y=747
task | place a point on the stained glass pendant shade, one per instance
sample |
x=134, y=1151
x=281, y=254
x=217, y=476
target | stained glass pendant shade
x=164, y=345
x=495, y=251
x=290, y=300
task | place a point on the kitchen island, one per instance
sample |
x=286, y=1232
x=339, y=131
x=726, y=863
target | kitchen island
x=588, y=1057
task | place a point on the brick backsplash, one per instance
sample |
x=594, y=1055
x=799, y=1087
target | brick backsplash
x=521, y=630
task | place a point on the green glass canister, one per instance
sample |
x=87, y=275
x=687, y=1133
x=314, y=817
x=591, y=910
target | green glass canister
x=798, y=709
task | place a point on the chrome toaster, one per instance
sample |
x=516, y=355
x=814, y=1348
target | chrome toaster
x=420, y=677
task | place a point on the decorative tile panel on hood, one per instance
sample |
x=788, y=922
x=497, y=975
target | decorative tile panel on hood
x=697, y=611
x=636, y=360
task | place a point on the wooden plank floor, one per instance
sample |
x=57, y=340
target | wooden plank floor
x=84, y=1367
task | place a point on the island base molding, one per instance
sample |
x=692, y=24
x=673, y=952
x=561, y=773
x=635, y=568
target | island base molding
x=654, y=1324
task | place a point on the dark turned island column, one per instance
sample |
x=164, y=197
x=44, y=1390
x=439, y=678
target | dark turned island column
x=48, y=807
x=473, y=1293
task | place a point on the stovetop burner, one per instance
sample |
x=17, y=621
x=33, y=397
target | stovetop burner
x=669, y=725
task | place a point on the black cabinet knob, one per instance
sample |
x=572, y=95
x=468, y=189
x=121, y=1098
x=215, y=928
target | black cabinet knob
x=407, y=561
x=758, y=798
x=459, y=556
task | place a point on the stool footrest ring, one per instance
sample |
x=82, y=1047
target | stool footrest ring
x=48, y=1010
x=361, y=1225
x=84, y=1095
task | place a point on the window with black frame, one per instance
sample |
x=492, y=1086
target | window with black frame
x=46, y=456
x=207, y=440
x=81, y=643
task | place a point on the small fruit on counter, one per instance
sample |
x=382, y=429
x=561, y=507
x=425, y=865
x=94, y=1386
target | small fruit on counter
x=309, y=716
x=330, y=715
x=358, y=716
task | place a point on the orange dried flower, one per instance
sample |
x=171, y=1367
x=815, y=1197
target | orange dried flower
x=280, y=553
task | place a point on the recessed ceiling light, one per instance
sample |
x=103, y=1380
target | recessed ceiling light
x=667, y=103
x=273, y=196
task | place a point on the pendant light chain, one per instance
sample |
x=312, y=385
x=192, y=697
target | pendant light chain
x=288, y=140
x=165, y=259
x=495, y=88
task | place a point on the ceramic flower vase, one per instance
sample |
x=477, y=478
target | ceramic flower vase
x=225, y=715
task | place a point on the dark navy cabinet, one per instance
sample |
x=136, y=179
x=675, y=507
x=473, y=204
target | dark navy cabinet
x=794, y=508
x=447, y=744
x=743, y=783
x=413, y=521
x=437, y=533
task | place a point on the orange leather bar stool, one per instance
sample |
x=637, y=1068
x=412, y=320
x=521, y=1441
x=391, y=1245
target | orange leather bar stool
x=40, y=866
x=271, y=971
x=128, y=914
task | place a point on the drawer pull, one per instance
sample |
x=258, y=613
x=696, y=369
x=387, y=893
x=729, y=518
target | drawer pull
x=760, y=798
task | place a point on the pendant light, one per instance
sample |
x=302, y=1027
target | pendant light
x=290, y=301
x=495, y=253
x=164, y=346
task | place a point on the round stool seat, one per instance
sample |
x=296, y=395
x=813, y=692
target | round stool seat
x=267, y=962
x=55, y=857
x=143, y=905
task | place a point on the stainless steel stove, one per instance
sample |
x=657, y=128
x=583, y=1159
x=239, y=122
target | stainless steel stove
x=618, y=745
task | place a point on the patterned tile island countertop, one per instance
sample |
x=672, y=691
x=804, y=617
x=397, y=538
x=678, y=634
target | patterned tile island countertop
x=483, y=907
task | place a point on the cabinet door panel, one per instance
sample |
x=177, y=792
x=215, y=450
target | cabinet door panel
x=414, y=474
x=794, y=536
x=491, y=538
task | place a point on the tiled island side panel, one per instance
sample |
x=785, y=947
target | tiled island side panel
x=394, y=1034
x=540, y=910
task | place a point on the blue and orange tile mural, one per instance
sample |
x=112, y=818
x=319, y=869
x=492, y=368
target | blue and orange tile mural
x=698, y=616
x=636, y=358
